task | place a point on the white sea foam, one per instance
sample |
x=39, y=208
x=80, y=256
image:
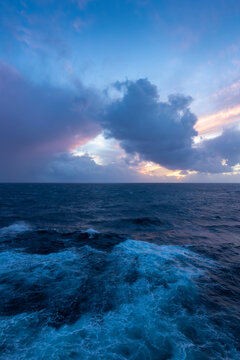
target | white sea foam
x=14, y=229
x=155, y=312
x=91, y=233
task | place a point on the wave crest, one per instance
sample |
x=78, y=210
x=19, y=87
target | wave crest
x=14, y=229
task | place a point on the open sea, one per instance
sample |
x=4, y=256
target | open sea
x=119, y=271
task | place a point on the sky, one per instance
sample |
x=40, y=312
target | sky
x=120, y=91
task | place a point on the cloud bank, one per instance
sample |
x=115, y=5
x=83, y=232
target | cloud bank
x=71, y=168
x=40, y=124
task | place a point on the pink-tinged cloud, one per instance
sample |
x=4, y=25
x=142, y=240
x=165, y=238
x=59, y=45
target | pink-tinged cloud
x=214, y=123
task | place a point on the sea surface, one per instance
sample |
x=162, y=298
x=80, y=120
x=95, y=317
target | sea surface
x=119, y=271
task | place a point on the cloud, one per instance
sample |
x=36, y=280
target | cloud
x=37, y=122
x=163, y=131
x=224, y=148
x=40, y=126
x=68, y=168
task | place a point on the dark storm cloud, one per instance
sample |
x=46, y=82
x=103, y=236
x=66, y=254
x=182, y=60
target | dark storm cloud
x=163, y=132
x=37, y=122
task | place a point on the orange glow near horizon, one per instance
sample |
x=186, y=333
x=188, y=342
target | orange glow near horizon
x=177, y=174
x=150, y=168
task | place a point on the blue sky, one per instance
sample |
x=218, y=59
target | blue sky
x=84, y=46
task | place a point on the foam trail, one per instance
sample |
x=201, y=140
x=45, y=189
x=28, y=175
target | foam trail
x=140, y=301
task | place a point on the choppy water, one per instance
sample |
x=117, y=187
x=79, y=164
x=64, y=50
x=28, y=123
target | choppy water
x=136, y=271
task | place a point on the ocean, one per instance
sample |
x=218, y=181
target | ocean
x=119, y=271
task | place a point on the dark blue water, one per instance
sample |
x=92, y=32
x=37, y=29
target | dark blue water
x=136, y=271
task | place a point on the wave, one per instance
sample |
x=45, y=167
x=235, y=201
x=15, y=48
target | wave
x=14, y=229
x=139, y=301
x=92, y=233
x=44, y=241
